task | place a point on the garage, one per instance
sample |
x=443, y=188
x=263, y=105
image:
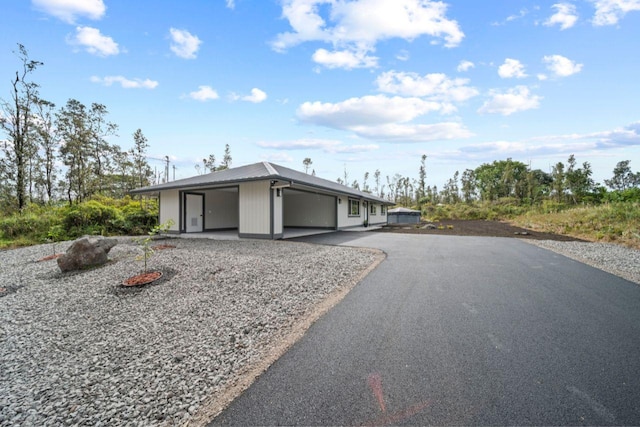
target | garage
x=303, y=209
x=221, y=209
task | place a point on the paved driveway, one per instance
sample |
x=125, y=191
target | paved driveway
x=461, y=330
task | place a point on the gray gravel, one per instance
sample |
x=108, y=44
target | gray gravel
x=619, y=260
x=79, y=349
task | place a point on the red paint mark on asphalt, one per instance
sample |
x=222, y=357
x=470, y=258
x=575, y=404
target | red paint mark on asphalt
x=397, y=417
x=375, y=382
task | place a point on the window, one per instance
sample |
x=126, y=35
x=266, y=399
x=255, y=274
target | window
x=354, y=207
x=372, y=210
x=383, y=210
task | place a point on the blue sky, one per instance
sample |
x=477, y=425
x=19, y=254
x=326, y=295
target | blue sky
x=360, y=84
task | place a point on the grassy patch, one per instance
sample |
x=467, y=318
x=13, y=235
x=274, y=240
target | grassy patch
x=613, y=222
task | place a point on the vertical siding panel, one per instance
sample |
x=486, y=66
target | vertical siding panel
x=255, y=208
x=170, y=208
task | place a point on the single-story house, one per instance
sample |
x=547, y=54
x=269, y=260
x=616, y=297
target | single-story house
x=403, y=216
x=261, y=200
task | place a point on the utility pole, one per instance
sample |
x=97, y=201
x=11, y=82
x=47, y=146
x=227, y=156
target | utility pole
x=174, y=172
x=166, y=169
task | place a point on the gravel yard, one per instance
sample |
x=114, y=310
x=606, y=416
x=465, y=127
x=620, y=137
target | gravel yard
x=615, y=259
x=79, y=349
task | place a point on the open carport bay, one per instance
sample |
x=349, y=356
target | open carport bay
x=302, y=209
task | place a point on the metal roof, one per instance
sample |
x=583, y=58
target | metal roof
x=402, y=210
x=256, y=172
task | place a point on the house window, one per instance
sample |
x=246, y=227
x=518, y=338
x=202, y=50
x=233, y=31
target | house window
x=383, y=210
x=372, y=210
x=354, y=207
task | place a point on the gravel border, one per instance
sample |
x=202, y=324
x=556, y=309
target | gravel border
x=79, y=349
x=615, y=259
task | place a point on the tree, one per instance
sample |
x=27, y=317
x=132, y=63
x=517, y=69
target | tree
x=16, y=121
x=558, y=185
x=139, y=158
x=101, y=151
x=504, y=178
x=84, y=150
x=623, y=178
x=376, y=179
x=422, y=175
x=226, y=158
x=468, y=183
x=365, y=185
x=307, y=162
x=578, y=180
x=47, y=139
x=210, y=163
x=450, y=191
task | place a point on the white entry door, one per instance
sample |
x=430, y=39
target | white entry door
x=194, y=208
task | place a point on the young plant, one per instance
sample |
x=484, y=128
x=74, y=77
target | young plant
x=53, y=235
x=145, y=242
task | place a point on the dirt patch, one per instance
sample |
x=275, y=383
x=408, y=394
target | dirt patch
x=474, y=228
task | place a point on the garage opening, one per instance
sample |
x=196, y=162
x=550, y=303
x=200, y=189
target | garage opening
x=221, y=207
x=303, y=209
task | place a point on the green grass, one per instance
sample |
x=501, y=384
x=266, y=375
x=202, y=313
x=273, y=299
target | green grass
x=613, y=222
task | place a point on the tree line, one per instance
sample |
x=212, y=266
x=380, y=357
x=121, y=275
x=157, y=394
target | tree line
x=567, y=183
x=52, y=154
x=61, y=153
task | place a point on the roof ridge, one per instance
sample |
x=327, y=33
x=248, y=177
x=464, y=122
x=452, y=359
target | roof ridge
x=270, y=168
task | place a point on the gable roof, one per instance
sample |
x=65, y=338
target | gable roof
x=257, y=172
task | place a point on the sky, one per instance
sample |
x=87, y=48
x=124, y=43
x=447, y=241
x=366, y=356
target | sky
x=354, y=85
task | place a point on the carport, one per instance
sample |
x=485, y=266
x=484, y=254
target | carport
x=304, y=209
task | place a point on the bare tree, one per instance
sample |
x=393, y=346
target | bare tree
x=16, y=121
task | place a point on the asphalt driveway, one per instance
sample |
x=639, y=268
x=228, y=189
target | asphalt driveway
x=464, y=331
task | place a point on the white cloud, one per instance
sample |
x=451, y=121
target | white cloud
x=366, y=111
x=231, y=4
x=70, y=10
x=344, y=59
x=591, y=143
x=561, y=66
x=329, y=146
x=125, y=83
x=436, y=87
x=395, y=132
x=609, y=12
x=465, y=66
x=357, y=26
x=94, y=42
x=257, y=96
x=382, y=118
x=565, y=16
x=184, y=44
x=510, y=18
x=511, y=68
x=514, y=100
x=403, y=55
x=204, y=93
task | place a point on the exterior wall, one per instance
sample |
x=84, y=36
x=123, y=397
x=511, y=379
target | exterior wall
x=303, y=209
x=404, y=218
x=221, y=209
x=255, y=209
x=278, y=226
x=344, y=219
x=378, y=217
x=170, y=209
